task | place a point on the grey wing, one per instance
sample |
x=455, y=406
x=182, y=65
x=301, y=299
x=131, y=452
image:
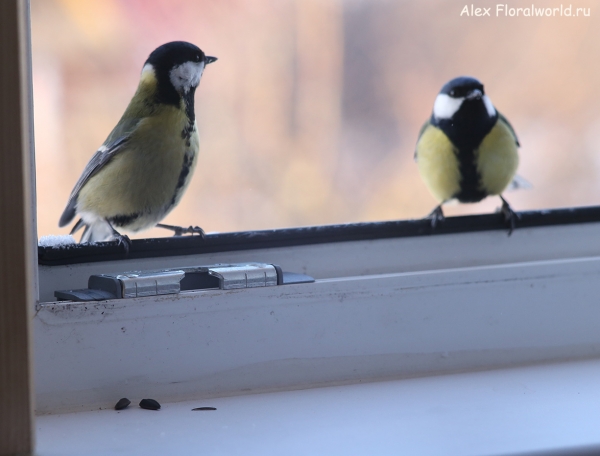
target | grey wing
x=512, y=130
x=423, y=128
x=102, y=156
x=112, y=146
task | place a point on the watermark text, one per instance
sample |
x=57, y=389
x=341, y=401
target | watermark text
x=505, y=10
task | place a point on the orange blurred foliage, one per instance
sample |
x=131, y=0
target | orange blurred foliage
x=311, y=113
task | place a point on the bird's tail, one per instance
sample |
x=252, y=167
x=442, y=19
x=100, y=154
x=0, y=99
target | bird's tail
x=518, y=183
x=97, y=231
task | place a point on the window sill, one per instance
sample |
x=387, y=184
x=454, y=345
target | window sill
x=541, y=410
x=334, y=331
x=381, y=308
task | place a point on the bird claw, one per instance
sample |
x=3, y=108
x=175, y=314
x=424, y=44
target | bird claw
x=510, y=216
x=122, y=240
x=436, y=216
x=190, y=230
x=125, y=242
x=180, y=230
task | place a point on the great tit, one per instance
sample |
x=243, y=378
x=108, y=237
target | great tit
x=467, y=150
x=139, y=174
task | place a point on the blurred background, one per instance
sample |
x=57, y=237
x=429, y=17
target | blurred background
x=311, y=114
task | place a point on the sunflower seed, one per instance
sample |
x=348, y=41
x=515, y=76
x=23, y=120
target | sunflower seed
x=123, y=403
x=149, y=404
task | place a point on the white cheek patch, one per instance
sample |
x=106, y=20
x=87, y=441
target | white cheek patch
x=445, y=106
x=147, y=72
x=489, y=106
x=186, y=76
x=148, y=68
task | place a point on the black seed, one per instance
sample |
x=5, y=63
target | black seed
x=123, y=403
x=203, y=408
x=149, y=404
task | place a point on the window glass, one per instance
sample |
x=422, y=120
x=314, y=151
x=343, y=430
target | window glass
x=311, y=113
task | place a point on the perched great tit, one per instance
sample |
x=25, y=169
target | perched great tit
x=141, y=171
x=467, y=150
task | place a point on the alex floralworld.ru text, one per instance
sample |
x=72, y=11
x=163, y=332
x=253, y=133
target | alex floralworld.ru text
x=504, y=10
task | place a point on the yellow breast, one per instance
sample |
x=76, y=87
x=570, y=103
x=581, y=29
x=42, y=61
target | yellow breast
x=497, y=159
x=438, y=165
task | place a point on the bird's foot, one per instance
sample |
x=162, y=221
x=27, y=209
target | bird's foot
x=510, y=216
x=180, y=230
x=122, y=240
x=436, y=216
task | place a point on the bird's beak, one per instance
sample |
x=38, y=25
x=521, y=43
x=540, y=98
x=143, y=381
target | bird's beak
x=474, y=95
x=209, y=59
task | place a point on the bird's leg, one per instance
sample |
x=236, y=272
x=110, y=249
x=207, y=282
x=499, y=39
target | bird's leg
x=436, y=216
x=510, y=216
x=180, y=230
x=121, y=239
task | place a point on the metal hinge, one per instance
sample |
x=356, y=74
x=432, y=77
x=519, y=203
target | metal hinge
x=172, y=281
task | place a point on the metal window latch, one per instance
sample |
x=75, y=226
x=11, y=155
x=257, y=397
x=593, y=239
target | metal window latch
x=172, y=281
x=245, y=275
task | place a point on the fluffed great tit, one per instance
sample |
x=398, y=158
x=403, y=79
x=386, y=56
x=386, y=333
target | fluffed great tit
x=139, y=174
x=467, y=150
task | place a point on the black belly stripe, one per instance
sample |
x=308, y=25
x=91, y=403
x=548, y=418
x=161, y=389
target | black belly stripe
x=123, y=220
x=466, y=130
x=470, y=184
x=188, y=159
x=187, y=132
x=186, y=135
x=188, y=100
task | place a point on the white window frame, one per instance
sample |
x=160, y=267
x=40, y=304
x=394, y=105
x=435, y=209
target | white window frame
x=387, y=308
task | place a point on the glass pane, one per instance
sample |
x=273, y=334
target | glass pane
x=311, y=114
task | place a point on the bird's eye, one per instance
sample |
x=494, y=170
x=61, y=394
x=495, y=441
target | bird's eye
x=197, y=57
x=452, y=93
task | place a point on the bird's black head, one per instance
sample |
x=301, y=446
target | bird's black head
x=178, y=67
x=464, y=112
x=176, y=53
x=463, y=87
x=463, y=98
